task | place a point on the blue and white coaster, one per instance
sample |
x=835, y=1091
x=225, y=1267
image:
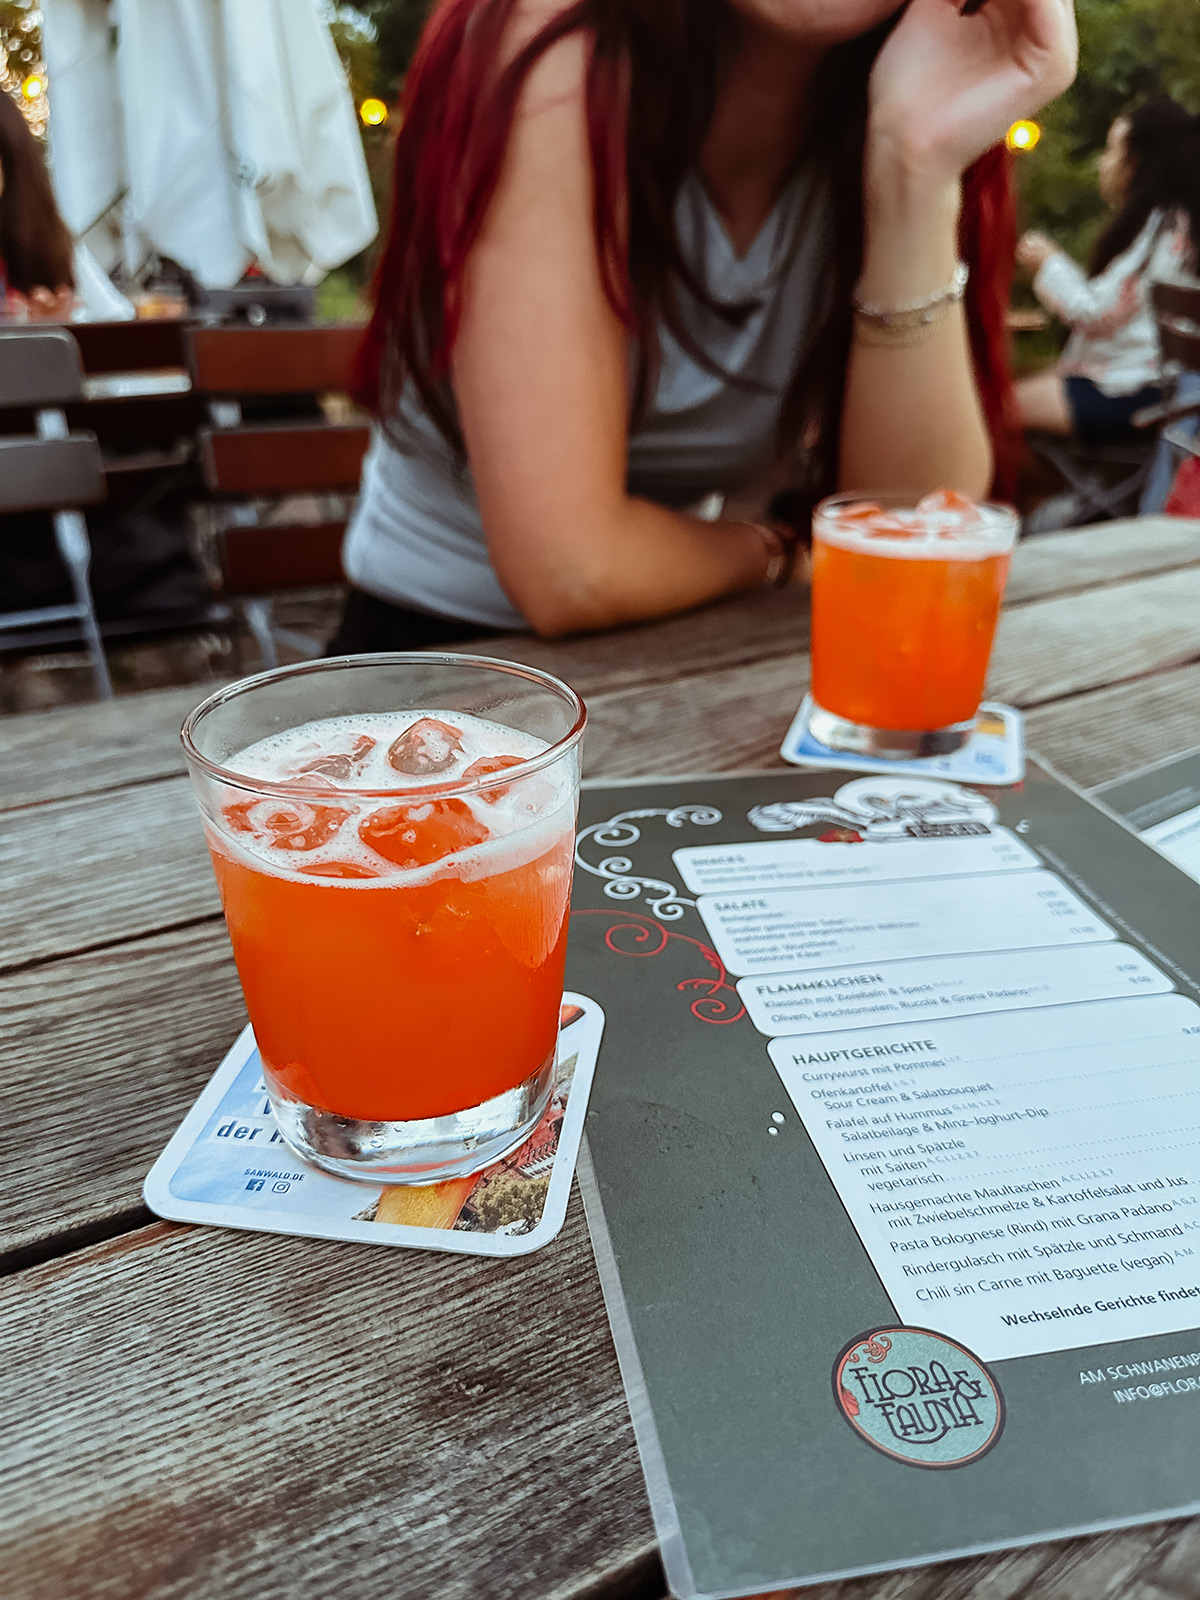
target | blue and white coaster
x=994, y=754
x=228, y=1166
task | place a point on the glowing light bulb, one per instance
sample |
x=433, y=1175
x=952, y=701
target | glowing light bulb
x=34, y=86
x=1022, y=136
x=373, y=112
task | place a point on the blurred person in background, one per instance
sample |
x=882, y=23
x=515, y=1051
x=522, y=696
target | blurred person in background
x=37, y=279
x=44, y=275
x=645, y=254
x=1150, y=175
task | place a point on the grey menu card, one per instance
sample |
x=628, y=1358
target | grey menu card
x=892, y=1166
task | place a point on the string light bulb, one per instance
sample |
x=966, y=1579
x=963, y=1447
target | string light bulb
x=1022, y=136
x=373, y=112
x=34, y=86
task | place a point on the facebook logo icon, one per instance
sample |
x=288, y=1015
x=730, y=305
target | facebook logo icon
x=256, y=1183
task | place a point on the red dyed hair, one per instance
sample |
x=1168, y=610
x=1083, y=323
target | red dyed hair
x=651, y=88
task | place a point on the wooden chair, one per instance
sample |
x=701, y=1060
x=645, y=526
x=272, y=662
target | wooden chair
x=52, y=470
x=250, y=452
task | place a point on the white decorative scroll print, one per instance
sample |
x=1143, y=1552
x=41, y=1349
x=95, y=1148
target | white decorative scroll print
x=621, y=882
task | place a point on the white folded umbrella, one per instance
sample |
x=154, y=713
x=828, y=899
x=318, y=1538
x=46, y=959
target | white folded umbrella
x=306, y=201
x=234, y=129
x=86, y=138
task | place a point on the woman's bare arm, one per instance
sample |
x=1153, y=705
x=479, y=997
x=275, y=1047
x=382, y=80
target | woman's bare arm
x=944, y=89
x=540, y=373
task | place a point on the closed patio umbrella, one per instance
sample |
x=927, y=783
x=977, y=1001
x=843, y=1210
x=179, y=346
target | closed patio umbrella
x=86, y=138
x=234, y=129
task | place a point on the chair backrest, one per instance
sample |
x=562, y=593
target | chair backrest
x=144, y=345
x=246, y=368
x=264, y=361
x=39, y=367
x=50, y=474
x=1177, y=308
x=277, y=459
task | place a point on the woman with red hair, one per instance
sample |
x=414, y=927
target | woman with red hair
x=647, y=254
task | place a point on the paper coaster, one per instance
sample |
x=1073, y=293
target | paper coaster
x=994, y=754
x=228, y=1166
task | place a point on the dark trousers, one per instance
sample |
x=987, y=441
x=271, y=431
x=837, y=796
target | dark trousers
x=371, y=624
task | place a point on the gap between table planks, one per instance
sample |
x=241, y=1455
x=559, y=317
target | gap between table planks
x=147, y=1080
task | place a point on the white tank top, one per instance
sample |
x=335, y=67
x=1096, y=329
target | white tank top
x=416, y=537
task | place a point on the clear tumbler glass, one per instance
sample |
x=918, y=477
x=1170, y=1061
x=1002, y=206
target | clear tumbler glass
x=905, y=598
x=393, y=838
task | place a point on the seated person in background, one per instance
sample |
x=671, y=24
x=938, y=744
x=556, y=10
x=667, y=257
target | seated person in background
x=36, y=277
x=44, y=275
x=638, y=254
x=1111, y=367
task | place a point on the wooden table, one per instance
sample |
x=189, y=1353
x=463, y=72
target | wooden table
x=190, y=1414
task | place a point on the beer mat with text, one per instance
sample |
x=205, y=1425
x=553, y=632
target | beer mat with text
x=227, y=1165
x=994, y=754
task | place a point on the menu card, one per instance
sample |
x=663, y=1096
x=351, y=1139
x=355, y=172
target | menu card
x=892, y=1166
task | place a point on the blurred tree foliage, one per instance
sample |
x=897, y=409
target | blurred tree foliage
x=1128, y=49
x=391, y=28
x=20, y=39
x=21, y=55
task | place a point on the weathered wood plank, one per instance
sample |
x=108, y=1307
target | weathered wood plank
x=717, y=723
x=1073, y=643
x=746, y=627
x=52, y=755
x=86, y=872
x=243, y=1417
x=1094, y=737
x=1063, y=563
x=103, y=1056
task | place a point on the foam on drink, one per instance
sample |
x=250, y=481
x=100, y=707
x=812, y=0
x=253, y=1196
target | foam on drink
x=321, y=840
x=944, y=526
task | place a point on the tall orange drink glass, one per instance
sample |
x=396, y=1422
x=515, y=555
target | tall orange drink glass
x=393, y=838
x=905, y=598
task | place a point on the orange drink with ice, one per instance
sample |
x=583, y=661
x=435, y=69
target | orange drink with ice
x=905, y=599
x=396, y=887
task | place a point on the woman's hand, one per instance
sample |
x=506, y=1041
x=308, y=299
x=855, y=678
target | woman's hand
x=51, y=305
x=1034, y=250
x=947, y=87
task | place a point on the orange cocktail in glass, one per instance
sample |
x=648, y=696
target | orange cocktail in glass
x=396, y=886
x=905, y=599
